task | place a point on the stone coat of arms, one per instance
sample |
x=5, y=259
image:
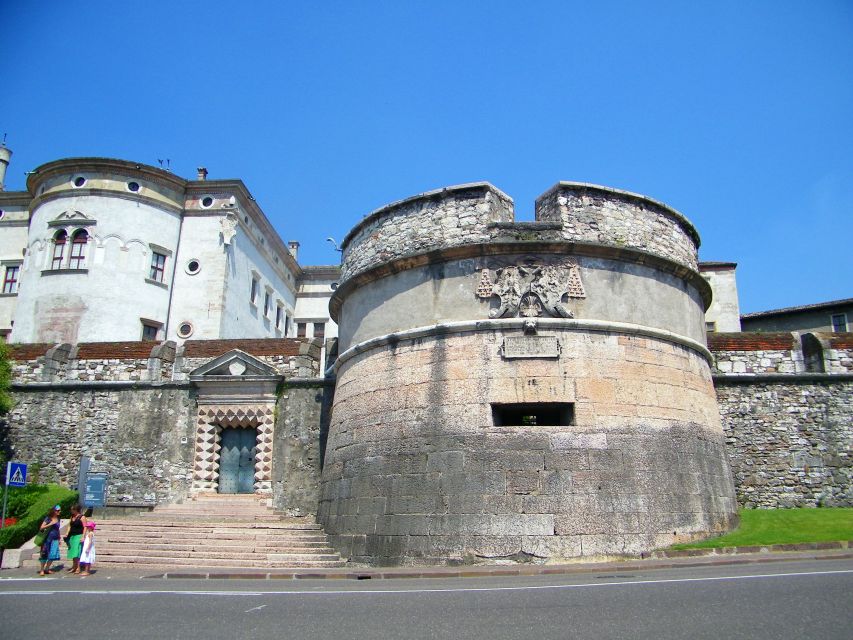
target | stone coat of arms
x=532, y=289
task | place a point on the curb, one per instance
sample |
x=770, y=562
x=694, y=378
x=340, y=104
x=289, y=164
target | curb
x=659, y=560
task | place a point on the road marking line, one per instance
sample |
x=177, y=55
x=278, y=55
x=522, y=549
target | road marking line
x=255, y=608
x=418, y=591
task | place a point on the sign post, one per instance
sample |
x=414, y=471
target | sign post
x=95, y=494
x=82, y=473
x=16, y=476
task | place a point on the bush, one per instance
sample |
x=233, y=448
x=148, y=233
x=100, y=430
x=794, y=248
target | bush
x=22, y=498
x=28, y=524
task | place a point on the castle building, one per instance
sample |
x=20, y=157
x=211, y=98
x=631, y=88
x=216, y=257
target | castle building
x=107, y=250
x=462, y=387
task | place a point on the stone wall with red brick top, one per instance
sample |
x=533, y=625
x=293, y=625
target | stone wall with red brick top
x=154, y=362
x=751, y=353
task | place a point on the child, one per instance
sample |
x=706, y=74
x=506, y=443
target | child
x=87, y=555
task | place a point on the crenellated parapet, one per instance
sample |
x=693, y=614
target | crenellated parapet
x=438, y=219
x=594, y=214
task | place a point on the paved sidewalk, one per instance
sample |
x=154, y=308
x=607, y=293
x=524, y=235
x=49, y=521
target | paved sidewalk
x=660, y=560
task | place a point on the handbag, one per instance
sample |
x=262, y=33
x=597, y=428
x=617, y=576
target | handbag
x=41, y=536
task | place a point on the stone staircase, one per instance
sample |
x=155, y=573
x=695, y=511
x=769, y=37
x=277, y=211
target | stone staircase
x=214, y=530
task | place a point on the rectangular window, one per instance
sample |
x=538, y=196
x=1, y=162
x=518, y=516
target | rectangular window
x=710, y=327
x=158, y=266
x=839, y=322
x=319, y=329
x=266, y=304
x=10, y=280
x=534, y=414
x=253, y=296
x=286, y=324
x=300, y=329
x=149, y=331
x=77, y=257
x=278, y=314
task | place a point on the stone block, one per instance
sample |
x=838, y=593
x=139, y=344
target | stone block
x=522, y=482
x=482, y=482
x=570, y=459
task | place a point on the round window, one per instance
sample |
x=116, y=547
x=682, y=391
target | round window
x=79, y=181
x=207, y=202
x=133, y=186
x=333, y=286
x=185, y=329
x=193, y=267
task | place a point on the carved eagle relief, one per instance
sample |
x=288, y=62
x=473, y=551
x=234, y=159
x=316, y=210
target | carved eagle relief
x=532, y=288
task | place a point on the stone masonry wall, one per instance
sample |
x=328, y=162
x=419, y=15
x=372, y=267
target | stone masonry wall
x=134, y=434
x=302, y=414
x=839, y=356
x=417, y=471
x=438, y=219
x=751, y=353
x=607, y=216
x=789, y=441
x=131, y=408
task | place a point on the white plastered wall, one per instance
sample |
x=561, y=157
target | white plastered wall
x=106, y=302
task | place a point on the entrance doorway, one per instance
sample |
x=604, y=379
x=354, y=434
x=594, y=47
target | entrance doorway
x=237, y=460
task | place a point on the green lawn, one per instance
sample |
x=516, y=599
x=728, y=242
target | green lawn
x=783, y=526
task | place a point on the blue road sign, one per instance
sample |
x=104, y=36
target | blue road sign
x=16, y=474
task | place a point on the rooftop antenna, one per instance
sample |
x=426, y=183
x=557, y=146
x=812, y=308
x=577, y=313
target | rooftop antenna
x=5, y=157
x=334, y=244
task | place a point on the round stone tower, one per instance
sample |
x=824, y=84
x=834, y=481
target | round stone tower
x=528, y=391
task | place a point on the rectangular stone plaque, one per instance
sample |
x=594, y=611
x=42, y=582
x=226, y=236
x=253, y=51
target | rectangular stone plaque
x=531, y=347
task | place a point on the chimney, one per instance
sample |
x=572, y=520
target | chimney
x=294, y=248
x=5, y=156
x=202, y=173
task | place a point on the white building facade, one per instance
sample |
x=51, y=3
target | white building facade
x=101, y=250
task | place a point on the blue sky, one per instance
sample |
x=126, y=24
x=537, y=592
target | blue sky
x=738, y=114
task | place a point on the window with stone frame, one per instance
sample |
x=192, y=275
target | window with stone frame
x=319, y=329
x=77, y=259
x=278, y=315
x=267, y=303
x=839, y=322
x=158, y=267
x=253, y=295
x=150, y=331
x=300, y=329
x=10, y=279
x=60, y=239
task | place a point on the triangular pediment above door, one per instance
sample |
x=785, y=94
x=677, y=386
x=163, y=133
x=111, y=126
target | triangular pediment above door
x=234, y=364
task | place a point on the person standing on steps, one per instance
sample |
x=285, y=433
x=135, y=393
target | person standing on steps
x=50, y=547
x=87, y=554
x=75, y=538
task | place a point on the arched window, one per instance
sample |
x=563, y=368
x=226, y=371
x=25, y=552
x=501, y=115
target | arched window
x=78, y=249
x=59, y=241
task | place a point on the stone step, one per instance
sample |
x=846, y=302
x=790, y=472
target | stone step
x=179, y=550
x=214, y=563
x=173, y=525
x=235, y=543
x=231, y=539
x=221, y=555
x=212, y=531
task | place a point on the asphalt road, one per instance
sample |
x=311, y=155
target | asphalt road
x=776, y=601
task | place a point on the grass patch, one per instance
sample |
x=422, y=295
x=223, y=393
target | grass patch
x=783, y=526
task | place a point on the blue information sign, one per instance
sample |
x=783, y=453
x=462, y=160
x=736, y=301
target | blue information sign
x=96, y=490
x=16, y=474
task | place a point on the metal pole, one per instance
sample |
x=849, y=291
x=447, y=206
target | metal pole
x=5, y=496
x=6, y=492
